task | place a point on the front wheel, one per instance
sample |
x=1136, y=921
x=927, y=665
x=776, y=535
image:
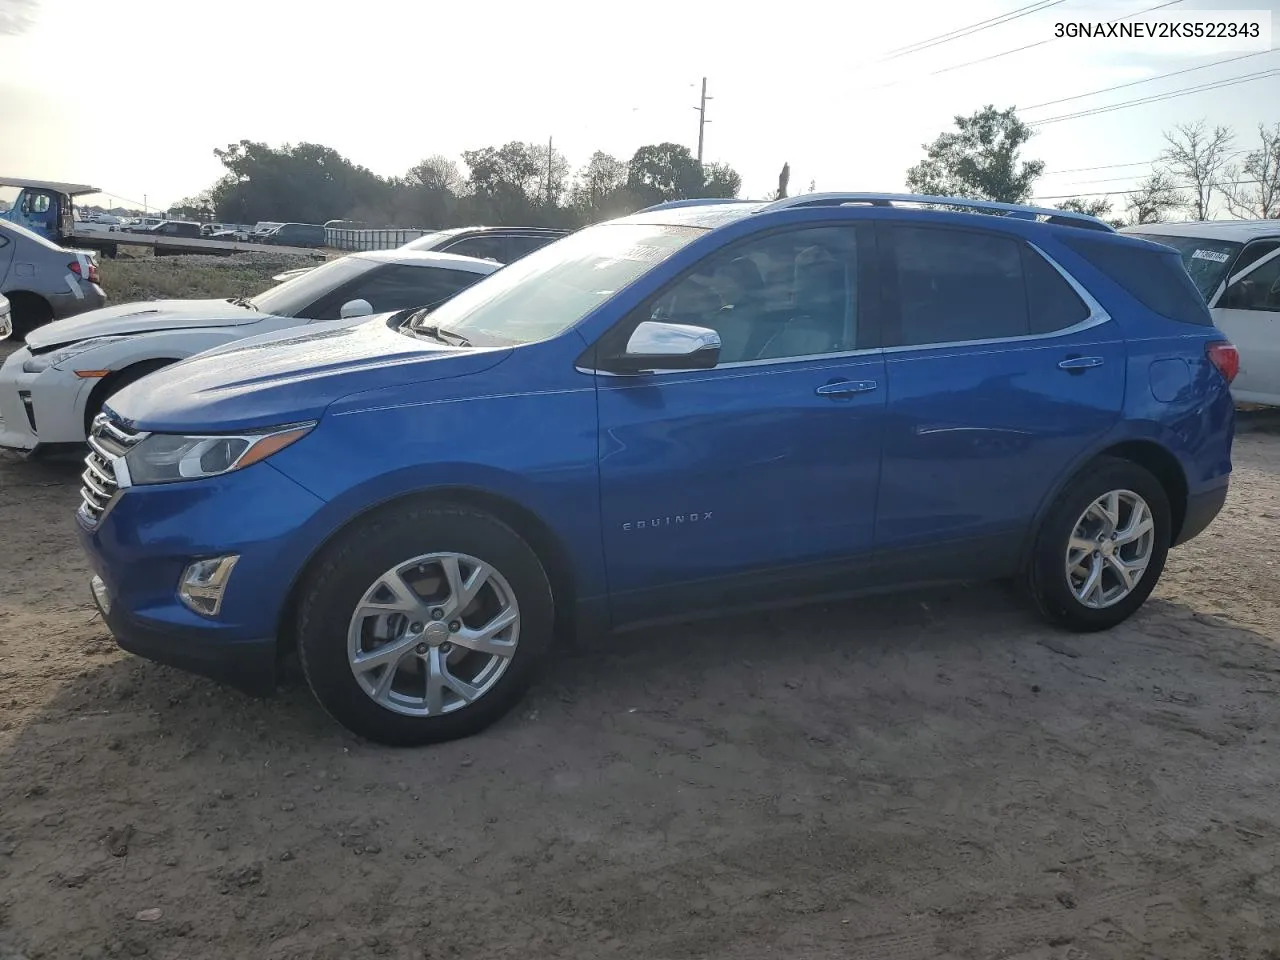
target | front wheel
x=424, y=624
x=1102, y=547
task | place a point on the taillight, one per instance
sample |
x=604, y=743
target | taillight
x=1225, y=357
x=74, y=267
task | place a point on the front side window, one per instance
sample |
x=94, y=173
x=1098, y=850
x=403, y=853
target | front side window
x=786, y=295
x=395, y=286
x=521, y=246
x=1259, y=290
x=293, y=297
x=550, y=290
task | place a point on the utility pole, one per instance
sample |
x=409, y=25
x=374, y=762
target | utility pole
x=702, y=117
x=144, y=196
x=549, y=155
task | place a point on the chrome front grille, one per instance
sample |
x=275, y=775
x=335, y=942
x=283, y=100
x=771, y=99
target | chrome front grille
x=104, y=471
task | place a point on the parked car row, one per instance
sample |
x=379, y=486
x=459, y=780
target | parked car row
x=53, y=387
x=43, y=281
x=699, y=407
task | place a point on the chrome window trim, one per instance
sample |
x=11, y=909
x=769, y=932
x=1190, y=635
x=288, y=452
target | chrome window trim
x=1096, y=318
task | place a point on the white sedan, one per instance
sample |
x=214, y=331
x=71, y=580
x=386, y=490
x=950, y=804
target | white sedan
x=52, y=388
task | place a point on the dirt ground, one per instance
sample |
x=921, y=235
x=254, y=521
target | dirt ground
x=928, y=775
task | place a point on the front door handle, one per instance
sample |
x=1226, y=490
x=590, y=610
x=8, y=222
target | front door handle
x=843, y=388
x=1080, y=363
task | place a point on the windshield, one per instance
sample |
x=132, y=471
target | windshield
x=551, y=289
x=300, y=292
x=1206, y=260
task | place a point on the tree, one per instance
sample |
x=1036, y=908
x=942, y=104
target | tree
x=438, y=173
x=980, y=160
x=1252, y=190
x=784, y=179
x=1198, y=155
x=720, y=180
x=1096, y=207
x=307, y=183
x=503, y=181
x=663, y=171
x=600, y=189
x=1154, y=199
x=553, y=178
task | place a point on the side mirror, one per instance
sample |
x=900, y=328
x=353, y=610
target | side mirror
x=356, y=308
x=666, y=346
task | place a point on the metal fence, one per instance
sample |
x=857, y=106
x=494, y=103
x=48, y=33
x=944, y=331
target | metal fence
x=386, y=239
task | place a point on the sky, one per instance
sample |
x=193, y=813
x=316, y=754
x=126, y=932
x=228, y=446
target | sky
x=134, y=95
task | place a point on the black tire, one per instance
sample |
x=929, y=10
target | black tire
x=115, y=382
x=1046, y=574
x=29, y=311
x=350, y=565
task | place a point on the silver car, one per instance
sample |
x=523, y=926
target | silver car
x=44, y=281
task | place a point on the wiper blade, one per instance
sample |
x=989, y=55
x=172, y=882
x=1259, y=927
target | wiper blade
x=242, y=302
x=444, y=336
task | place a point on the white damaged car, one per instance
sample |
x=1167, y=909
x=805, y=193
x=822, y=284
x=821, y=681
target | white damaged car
x=52, y=388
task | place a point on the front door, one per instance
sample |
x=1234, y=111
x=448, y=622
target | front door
x=1248, y=312
x=1000, y=374
x=731, y=485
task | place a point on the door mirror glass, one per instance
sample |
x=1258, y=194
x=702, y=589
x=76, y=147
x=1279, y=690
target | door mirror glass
x=667, y=346
x=356, y=308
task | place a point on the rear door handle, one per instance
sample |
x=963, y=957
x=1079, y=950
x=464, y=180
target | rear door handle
x=1080, y=363
x=843, y=388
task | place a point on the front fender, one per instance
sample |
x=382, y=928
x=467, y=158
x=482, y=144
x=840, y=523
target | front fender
x=538, y=454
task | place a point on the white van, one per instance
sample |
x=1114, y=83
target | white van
x=1236, y=266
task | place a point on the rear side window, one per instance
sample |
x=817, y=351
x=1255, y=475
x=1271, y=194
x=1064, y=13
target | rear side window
x=1051, y=302
x=1156, y=280
x=956, y=285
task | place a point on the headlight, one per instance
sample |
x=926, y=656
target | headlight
x=165, y=458
x=56, y=358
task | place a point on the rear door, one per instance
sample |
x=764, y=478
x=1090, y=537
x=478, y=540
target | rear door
x=1248, y=312
x=1001, y=370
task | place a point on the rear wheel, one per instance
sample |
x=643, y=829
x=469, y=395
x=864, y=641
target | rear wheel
x=424, y=624
x=1102, y=547
x=29, y=311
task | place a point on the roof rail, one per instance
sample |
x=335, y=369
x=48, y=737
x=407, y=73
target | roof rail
x=1018, y=210
x=696, y=202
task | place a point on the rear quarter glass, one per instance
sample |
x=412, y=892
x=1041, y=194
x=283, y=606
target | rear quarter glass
x=1155, y=278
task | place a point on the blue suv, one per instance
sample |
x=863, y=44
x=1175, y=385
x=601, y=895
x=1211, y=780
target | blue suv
x=700, y=407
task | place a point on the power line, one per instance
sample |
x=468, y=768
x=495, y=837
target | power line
x=1105, y=166
x=1029, y=46
x=969, y=30
x=1119, y=193
x=1186, y=91
x=1134, y=83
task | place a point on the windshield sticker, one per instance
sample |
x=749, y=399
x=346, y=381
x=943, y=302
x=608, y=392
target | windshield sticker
x=1213, y=255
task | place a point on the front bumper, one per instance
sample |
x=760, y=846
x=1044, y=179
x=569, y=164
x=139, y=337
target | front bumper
x=247, y=665
x=40, y=408
x=148, y=535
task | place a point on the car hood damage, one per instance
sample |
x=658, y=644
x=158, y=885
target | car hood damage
x=146, y=317
x=289, y=377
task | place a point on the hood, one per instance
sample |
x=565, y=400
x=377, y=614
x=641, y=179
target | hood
x=284, y=378
x=143, y=317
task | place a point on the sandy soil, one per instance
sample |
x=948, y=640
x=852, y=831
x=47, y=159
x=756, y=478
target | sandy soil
x=928, y=775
